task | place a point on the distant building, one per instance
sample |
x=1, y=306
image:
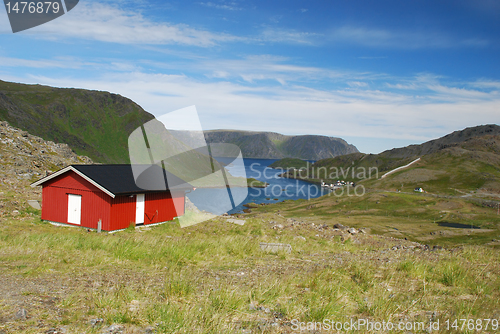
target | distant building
x=83, y=195
x=420, y=190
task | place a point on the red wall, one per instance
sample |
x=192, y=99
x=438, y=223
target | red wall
x=122, y=212
x=161, y=207
x=95, y=203
x=115, y=213
x=158, y=208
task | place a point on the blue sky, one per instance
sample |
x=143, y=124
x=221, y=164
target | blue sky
x=380, y=74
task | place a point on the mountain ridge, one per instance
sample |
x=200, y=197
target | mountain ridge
x=463, y=161
x=97, y=124
x=93, y=123
x=393, y=158
x=448, y=140
x=272, y=145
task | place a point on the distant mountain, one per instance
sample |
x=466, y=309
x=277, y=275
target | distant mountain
x=449, y=140
x=271, y=145
x=471, y=164
x=97, y=124
x=466, y=160
x=93, y=123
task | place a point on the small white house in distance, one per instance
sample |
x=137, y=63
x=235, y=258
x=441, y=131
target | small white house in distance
x=419, y=190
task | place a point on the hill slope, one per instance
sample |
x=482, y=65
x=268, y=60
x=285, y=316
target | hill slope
x=92, y=123
x=463, y=168
x=465, y=161
x=97, y=124
x=396, y=157
x=270, y=145
x=24, y=159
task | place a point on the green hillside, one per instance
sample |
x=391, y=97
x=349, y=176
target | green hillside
x=271, y=145
x=470, y=162
x=93, y=123
x=470, y=167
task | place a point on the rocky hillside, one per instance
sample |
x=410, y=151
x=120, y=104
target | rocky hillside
x=25, y=158
x=95, y=124
x=451, y=140
x=458, y=163
x=270, y=145
x=465, y=168
x=473, y=138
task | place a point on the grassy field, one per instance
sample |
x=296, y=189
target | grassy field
x=470, y=167
x=213, y=277
x=415, y=216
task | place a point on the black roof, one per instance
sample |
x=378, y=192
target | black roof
x=119, y=179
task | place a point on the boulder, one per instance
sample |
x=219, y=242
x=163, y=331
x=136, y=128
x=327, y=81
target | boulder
x=21, y=314
x=345, y=237
x=352, y=230
x=113, y=329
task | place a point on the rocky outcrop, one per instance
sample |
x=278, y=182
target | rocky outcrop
x=271, y=145
x=25, y=158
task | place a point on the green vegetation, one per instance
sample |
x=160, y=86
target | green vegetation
x=471, y=166
x=254, y=183
x=447, y=172
x=270, y=145
x=95, y=124
x=213, y=278
x=414, y=216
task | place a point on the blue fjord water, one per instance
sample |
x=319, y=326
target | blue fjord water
x=279, y=189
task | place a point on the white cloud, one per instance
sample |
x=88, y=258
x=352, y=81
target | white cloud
x=222, y=5
x=383, y=38
x=61, y=62
x=485, y=83
x=70, y=63
x=106, y=23
x=454, y=93
x=288, y=36
x=357, y=84
x=268, y=67
x=430, y=88
x=402, y=86
x=297, y=109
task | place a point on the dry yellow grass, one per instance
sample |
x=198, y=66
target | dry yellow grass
x=213, y=278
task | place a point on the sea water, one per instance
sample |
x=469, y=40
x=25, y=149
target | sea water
x=278, y=190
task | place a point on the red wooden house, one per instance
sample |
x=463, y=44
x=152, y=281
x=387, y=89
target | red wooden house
x=84, y=195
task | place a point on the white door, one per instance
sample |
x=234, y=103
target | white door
x=139, y=209
x=74, y=209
